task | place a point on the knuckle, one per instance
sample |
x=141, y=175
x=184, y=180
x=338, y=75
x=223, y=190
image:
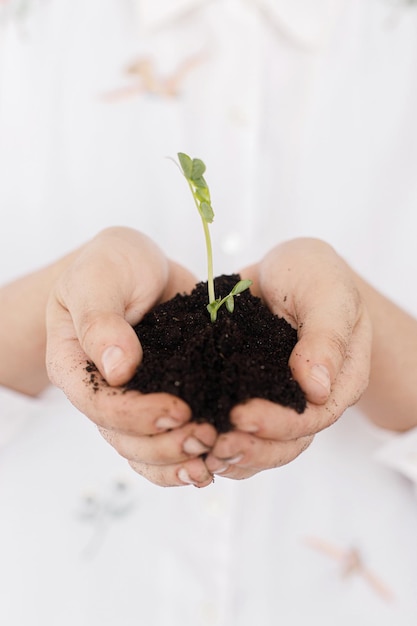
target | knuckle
x=338, y=344
x=90, y=325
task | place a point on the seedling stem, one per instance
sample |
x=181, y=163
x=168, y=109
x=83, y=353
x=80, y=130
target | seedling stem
x=193, y=170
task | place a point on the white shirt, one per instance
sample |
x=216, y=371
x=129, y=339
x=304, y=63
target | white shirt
x=305, y=119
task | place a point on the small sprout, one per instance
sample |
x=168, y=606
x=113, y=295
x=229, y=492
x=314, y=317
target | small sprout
x=193, y=171
x=228, y=300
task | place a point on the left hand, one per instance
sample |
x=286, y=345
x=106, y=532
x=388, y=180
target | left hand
x=108, y=286
x=306, y=282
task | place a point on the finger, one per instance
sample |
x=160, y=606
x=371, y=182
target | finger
x=114, y=281
x=239, y=455
x=109, y=341
x=110, y=407
x=353, y=378
x=269, y=420
x=192, y=472
x=319, y=354
x=190, y=441
x=322, y=301
x=348, y=386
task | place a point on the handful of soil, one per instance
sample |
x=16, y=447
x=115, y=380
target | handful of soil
x=213, y=366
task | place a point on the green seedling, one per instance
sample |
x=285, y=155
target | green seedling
x=193, y=171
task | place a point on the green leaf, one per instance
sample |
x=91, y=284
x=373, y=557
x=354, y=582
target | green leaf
x=186, y=163
x=203, y=194
x=207, y=212
x=200, y=183
x=242, y=285
x=197, y=170
x=230, y=303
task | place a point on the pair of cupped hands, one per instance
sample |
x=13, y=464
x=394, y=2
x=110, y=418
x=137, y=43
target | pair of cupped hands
x=117, y=277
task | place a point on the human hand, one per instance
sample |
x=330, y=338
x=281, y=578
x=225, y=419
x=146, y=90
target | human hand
x=107, y=289
x=308, y=284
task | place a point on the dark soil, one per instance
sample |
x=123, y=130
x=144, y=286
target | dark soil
x=215, y=365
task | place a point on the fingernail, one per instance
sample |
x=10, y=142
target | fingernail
x=234, y=459
x=221, y=470
x=320, y=375
x=192, y=445
x=111, y=358
x=166, y=423
x=184, y=476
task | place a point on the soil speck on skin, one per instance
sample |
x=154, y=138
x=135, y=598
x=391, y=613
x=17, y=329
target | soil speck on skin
x=215, y=365
x=95, y=379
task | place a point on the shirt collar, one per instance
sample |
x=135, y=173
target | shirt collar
x=304, y=21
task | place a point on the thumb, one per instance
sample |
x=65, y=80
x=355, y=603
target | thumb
x=112, y=344
x=113, y=282
x=327, y=321
x=315, y=363
x=101, y=336
x=311, y=286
